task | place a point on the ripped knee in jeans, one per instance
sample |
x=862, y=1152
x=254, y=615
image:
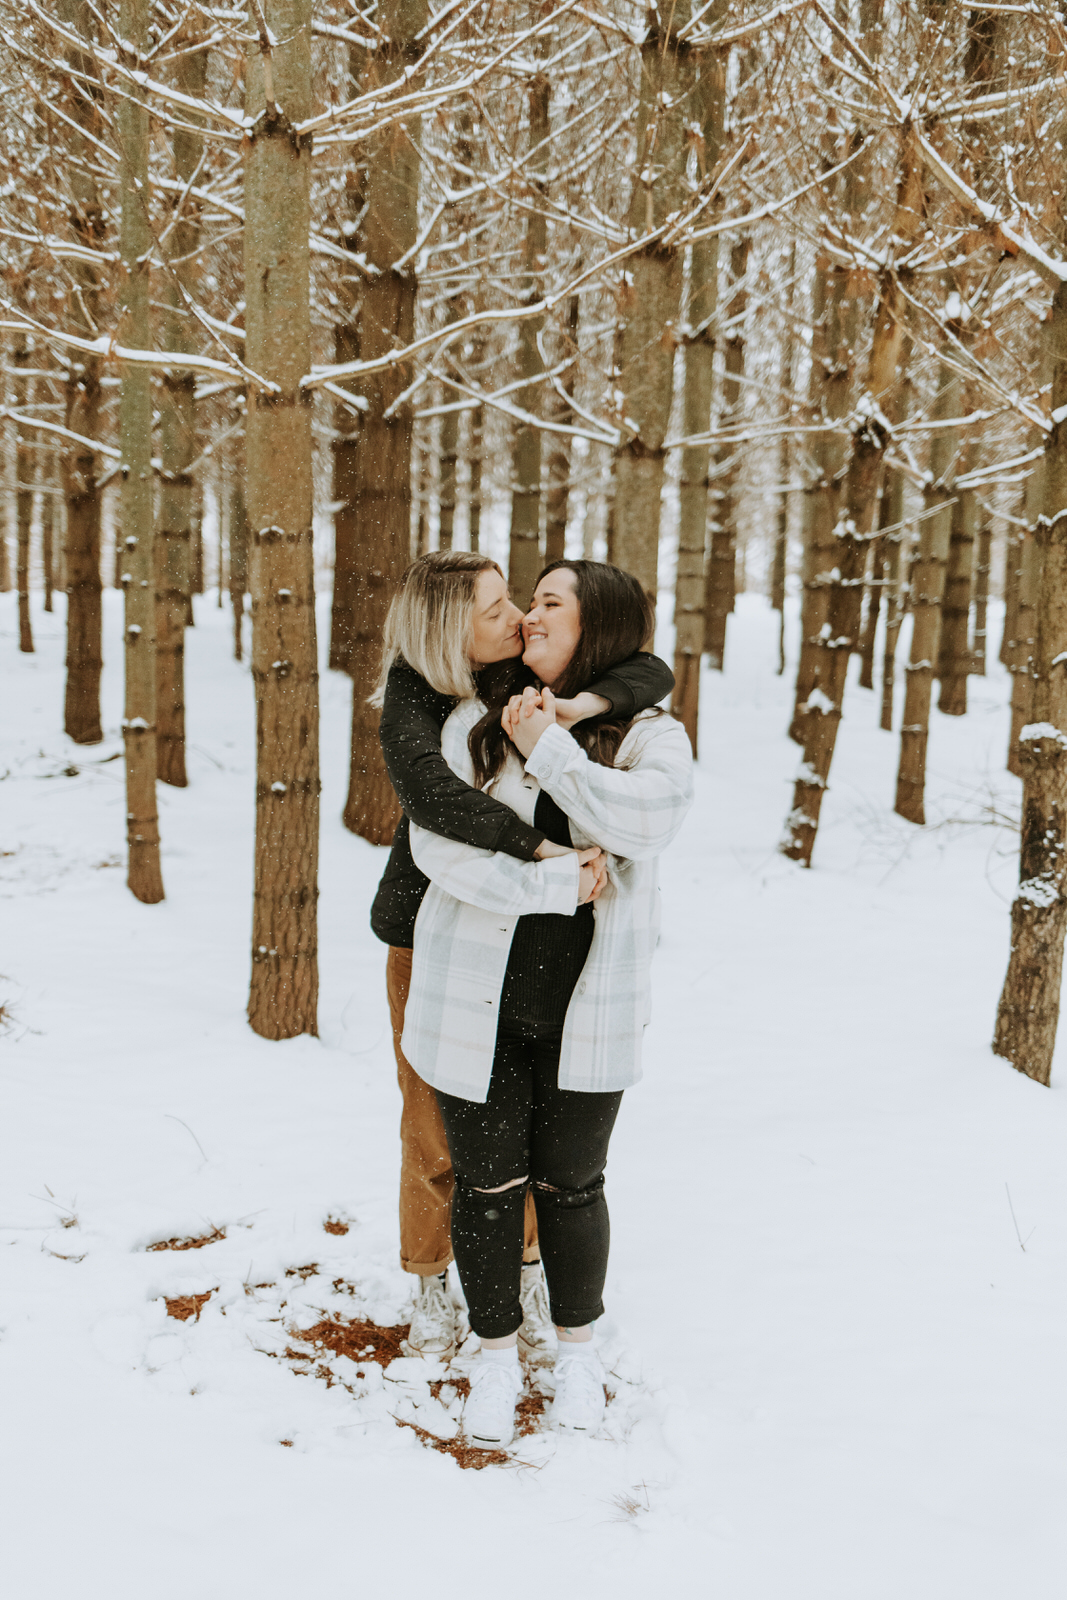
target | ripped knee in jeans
x=570, y=1199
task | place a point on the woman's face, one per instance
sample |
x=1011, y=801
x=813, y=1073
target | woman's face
x=552, y=626
x=496, y=628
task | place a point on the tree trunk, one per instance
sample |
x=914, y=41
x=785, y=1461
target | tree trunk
x=238, y=563
x=446, y=492
x=178, y=451
x=83, y=396
x=1022, y=656
x=982, y=568
x=138, y=578
x=874, y=607
x=48, y=529
x=24, y=459
x=785, y=467
x=1028, y=1013
x=927, y=594
x=696, y=416
x=380, y=498
x=840, y=639
x=1013, y=548
x=651, y=297
x=475, y=444
x=896, y=568
x=722, y=558
x=954, y=656
x=558, y=465
x=278, y=457
x=524, y=554
x=828, y=401
x=842, y=579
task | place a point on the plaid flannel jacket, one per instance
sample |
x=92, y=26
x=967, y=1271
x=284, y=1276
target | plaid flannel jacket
x=464, y=929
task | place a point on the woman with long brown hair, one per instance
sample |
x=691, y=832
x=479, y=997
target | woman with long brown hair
x=528, y=1004
x=450, y=624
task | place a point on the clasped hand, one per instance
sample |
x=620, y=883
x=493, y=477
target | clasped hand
x=526, y=716
x=524, y=719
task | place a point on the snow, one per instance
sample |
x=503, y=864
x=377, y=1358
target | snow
x=836, y=1294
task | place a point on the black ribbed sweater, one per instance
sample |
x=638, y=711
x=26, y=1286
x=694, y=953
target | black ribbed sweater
x=547, y=952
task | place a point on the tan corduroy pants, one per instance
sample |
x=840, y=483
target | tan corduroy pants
x=425, y=1164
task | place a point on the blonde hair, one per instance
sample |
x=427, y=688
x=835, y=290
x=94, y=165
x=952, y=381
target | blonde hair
x=429, y=622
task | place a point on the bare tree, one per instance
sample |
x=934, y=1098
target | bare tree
x=380, y=497
x=284, y=990
x=144, y=876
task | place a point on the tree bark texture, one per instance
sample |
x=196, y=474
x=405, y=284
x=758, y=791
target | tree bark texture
x=785, y=466
x=1013, y=548
x=558, y=464
x=874, y=607
x=982, y=568
x=897, y=547
x=524, y=554
x=178, y=451
x=651, y=294
x=24, y=464
x=83, y=401
x=238, y=564
x=1021, y=663
x=48, y=532
x=1028, y=1013
x=722, y=556
x=379, y=499
x=144, y=877
x=839, y=640
x=475, y=446
x=954, y=656
x=828, y=400
x=927, y=594
x=278, y=455
x=696, y=412
x=842, y=578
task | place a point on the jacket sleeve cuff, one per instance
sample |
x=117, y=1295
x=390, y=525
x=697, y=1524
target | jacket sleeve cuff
x=550, y=755
x=517, y=838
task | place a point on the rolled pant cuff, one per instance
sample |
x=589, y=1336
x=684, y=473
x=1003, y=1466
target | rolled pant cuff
x=427, y=1269
x=576, y=1316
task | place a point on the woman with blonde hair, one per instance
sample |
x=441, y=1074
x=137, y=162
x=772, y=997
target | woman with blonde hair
x=528, y=1003
x=450, y=629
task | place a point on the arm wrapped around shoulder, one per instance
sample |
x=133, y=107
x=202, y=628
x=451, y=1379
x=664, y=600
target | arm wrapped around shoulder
x=633, y=809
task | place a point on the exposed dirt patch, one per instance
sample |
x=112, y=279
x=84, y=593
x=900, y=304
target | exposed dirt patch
x=303, y=1273
x=360, y=1341
x=190, y=1244
x=187, y=1307
x=336, y=1226
x=463, y=1454
x=530, y=1413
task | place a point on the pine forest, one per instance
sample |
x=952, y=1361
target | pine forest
x=765, y=303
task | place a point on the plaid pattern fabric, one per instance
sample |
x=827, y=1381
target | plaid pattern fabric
x=465, y=926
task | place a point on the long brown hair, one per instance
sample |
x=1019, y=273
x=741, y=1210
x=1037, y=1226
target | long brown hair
x=616, y=617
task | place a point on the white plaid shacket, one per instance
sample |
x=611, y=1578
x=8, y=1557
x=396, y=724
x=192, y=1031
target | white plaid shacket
x=465, y=925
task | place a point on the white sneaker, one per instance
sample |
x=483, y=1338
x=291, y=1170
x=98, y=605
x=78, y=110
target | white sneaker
x=489, y=1412
x=433, y=1326
x=537, y=1336
x=579, y=1404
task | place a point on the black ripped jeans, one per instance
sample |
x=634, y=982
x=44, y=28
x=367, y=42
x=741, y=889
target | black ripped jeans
x=558, y=1138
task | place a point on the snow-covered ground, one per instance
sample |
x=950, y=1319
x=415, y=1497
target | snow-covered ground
x=838, y=1372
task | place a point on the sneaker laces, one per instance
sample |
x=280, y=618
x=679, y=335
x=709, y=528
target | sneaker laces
x=489, y=1378
x=433, y=1298
x=534, y=1300
x=583, y=1376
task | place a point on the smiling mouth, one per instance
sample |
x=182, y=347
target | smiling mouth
x=530, y=637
